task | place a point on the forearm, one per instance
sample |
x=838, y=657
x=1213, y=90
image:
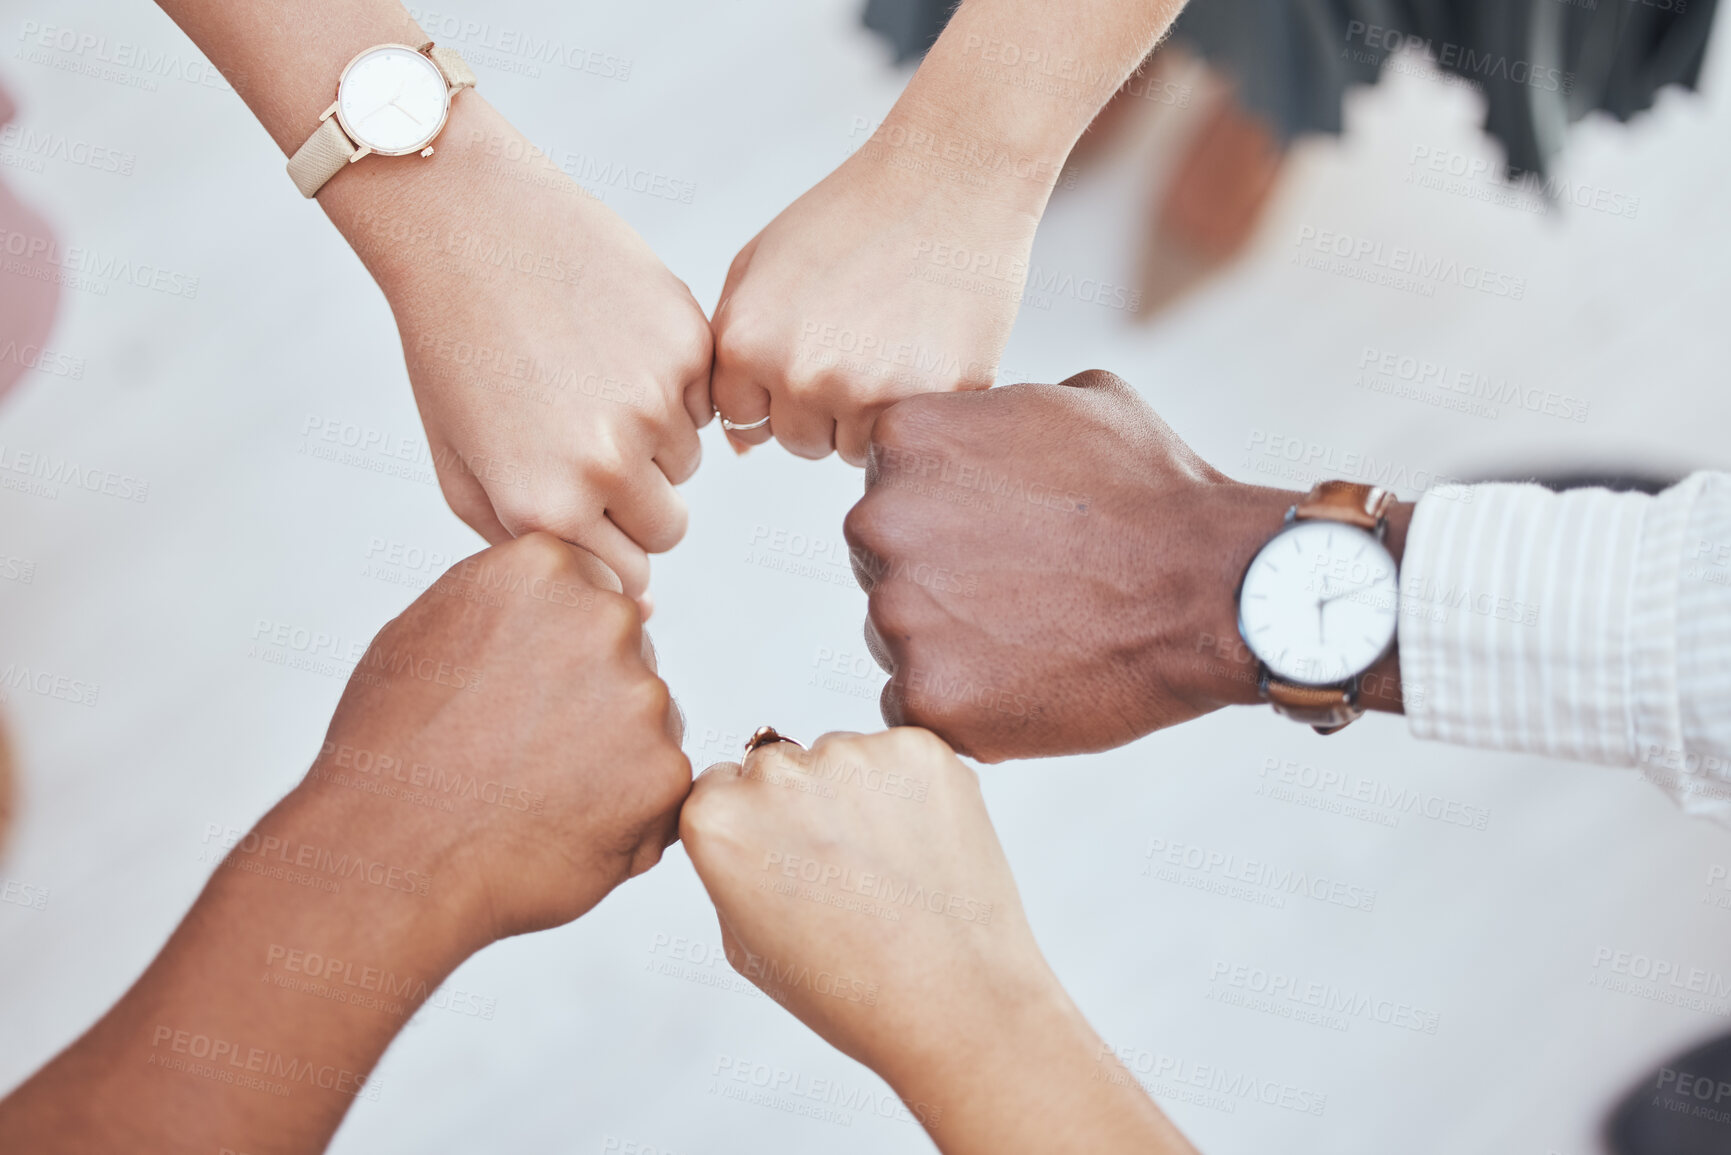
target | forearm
x=284, y=59
x=258, y=1024
x=1028, y=76
x=283, y=56
x=1037, y=1078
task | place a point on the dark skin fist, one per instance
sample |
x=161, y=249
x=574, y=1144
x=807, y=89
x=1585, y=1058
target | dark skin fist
x=521, y=691
x=1051, y=570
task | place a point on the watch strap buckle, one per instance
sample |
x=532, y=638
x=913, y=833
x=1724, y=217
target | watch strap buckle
x=1365, y=506
x=1326, y=709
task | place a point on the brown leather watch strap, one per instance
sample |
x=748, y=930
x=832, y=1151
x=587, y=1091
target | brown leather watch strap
x=1328, y=708
x=1362, y=505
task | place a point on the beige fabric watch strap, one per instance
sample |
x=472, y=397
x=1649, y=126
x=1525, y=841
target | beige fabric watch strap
x=323, y=156
x=457, y=72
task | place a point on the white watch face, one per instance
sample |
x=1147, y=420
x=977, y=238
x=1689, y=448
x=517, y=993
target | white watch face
x=1320, y=603
x=393, y=100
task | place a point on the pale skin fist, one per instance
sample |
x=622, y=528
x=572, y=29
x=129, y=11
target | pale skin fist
x=852, y=299
x=861, y=885
x=521, y=689
x=1049, y=568
x=561, y=370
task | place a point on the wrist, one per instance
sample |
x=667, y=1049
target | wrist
x=401, y=875
x=980, y=82
x=1236, y=521
x=416, y=222
x=1222, y=671
x=1035, y=1076
x=948, y=1064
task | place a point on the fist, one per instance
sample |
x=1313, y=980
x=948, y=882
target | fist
x=561, y=370
x=872, y=287
x=861, y=885
x=511, y=728
x=1046, y=566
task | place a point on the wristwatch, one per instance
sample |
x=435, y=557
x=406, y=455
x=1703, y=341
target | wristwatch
x=392, y=100
x=1320, y=603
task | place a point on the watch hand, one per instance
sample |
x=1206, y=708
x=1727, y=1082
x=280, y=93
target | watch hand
x=395, y=96
x=407, y=113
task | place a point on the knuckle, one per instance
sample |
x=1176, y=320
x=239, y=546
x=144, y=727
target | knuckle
x=518, y=512
x=917, y=743
x=684, y=460
x=838, y=741
x=603, y=465
x=646, y=857
x=617, y=621
x=918, y=714
x=458, y=496
x=902, y=424
x=693, y=347
x=669, y=780
x=708, y=818
x=893, y=609
x=528, y=509
x=847, y=749
x=653, y=700
x=669, y=526
x=742, y=339
x=538, y=553
x=864, y=524
x=804, y=387
x=775, y=758
x=894, y=706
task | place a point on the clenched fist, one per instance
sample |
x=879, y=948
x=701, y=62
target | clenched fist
x=878, y=284
x=502, y=758
x=518, y=696
x=561, y=370
x=861, y=886
x=1050, y=568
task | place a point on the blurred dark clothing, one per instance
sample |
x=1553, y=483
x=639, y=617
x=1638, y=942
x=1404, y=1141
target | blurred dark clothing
x=1542, y=64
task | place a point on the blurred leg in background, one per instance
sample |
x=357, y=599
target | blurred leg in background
x=1274, y=71
x=29, y=302
x=29, y=293
x=7, y=788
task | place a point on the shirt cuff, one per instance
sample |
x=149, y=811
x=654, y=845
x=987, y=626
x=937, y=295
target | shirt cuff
x=1520, y=617
x=1588, y=625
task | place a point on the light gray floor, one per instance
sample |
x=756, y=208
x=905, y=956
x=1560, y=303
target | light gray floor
x=612, y=1031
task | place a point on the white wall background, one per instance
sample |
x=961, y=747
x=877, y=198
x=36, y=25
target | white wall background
x=753, y=100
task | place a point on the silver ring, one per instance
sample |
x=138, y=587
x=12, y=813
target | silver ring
x=734, y=427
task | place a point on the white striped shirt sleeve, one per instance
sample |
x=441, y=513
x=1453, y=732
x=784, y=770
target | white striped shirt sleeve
x=1588, y=624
